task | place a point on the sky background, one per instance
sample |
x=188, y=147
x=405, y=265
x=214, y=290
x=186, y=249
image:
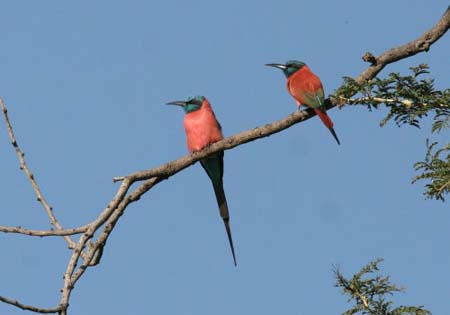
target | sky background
x=85, y=83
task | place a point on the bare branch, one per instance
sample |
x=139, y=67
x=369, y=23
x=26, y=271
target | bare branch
x=155, y=175
x=34, y=184
x=42, y=233
x=421, y=44
x=84, y=239
x=110, y=224
x=166, y=170
x=29, y=307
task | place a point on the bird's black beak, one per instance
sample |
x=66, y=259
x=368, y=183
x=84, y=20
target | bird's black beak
x=179, y=103
x=276, y=65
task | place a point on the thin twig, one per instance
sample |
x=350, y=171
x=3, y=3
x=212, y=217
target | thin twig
x=42, y=233
x=110, y=224
x=443, y=186
x=30, y=307
x=380, y=100
x=83, y=241
x=34, y=184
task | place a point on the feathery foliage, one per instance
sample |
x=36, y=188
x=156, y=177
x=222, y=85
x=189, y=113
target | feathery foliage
x=435, y=168
x=409, y=99
x=369, y=292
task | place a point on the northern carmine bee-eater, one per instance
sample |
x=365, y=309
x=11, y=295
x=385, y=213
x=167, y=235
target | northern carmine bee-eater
x=202, y=129
x=306, y=88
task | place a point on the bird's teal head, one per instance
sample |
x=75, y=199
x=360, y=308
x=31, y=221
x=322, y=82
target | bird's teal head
x=289, y=68
x=191, y=104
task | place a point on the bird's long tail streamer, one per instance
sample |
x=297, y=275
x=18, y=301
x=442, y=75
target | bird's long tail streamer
x=224, y=213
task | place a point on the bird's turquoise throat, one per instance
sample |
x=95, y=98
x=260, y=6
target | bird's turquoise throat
x=189, y=108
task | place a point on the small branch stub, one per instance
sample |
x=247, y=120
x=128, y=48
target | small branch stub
x=368, y=57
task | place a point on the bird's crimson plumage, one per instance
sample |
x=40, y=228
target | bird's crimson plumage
x=306, y=88
x=202, y=127
x=303, y=83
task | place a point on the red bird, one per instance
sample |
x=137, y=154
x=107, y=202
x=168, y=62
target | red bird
x=306, y=88
x=202, y=129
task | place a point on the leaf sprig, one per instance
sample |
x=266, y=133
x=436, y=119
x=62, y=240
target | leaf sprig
x=436, y=169
x=368, y=290
x=409, y=99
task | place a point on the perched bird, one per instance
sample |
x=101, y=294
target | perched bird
x=306, y=88
x=202, y=129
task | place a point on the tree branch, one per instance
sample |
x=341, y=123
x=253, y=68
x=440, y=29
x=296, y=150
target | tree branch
x=29, y=307
x=171, y=168
x=421, y=44
x=83, y=241
x=34, y=184
x=42, y=233
x=153, y=176
x=98, y=246
x=379, y=100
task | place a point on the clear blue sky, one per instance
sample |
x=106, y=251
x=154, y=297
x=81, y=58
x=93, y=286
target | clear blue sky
x=86, y=83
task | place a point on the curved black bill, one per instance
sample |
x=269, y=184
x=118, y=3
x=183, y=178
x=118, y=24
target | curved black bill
x=276, y=65
x=179, y=103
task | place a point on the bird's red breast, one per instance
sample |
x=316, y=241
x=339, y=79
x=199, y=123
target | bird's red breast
x=202, y=128
x=303, y=81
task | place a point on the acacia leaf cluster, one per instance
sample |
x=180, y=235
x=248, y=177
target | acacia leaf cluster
x=436, y=169
x=368, y=290
x=409, y=99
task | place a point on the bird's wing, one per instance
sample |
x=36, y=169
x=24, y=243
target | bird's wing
x=314, y=99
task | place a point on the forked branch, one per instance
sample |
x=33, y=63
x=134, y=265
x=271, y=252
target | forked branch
x=34, y=184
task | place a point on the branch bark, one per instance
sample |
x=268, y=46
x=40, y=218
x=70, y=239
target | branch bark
x=34, y=184
x=421, y=44
x=30, y=307
x=42, y=233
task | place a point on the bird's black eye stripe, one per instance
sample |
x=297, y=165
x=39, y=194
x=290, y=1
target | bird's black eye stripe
x=196, y=102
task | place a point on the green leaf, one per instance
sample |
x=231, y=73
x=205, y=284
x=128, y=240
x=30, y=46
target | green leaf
x=368, y=292
x=410, y=99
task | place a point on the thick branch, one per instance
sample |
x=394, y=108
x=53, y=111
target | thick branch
x=98, y=246
x=77, y=251
x=166, y=170
x=29, y=307
x=421, y=44
x=34, y=184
